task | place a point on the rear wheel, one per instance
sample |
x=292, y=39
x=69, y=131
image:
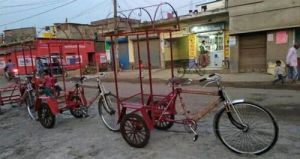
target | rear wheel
x=166, y=120
x=80, y=111
x=135, y=131
x=256, y=134
x=46, y=117
x=108, y=111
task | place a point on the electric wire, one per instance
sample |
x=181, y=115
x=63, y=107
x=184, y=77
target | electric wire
x=28, y=4
x=29, y=9
x=34, y=15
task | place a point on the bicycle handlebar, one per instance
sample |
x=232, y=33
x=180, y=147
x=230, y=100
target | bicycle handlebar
x=212, y=78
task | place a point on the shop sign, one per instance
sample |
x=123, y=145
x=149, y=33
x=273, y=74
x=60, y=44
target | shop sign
x=206, y=28
x=226, y=44
x=281, y=37
x=27, y=62
x=192, y=45
x=270, y=37
x=232, y=41
x=2, y=63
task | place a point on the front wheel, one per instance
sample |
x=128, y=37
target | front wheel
x=246, y=128
x=108, y=111
x=46, y=117
x=30, y=104
x=135, y=131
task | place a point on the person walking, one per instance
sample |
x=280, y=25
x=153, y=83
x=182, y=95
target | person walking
x=279, y=73
x=292, y=63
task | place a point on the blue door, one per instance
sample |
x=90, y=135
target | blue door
x=124, y=56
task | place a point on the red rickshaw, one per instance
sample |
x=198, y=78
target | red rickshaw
x=136, y=119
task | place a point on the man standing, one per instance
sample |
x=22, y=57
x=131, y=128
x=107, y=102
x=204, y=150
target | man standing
x=203, y=56
x=292, y=63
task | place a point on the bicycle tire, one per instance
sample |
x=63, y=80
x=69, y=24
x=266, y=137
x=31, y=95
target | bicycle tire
x=30, y=105
x=108, y=112
x=46, y=117
x=247, y=146
x=180, y=71
x=134, y=130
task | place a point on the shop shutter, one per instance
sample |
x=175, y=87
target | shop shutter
x=154, y=53
x=252, y=56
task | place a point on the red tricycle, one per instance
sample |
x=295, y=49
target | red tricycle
x=242, y=126
x=51, y=99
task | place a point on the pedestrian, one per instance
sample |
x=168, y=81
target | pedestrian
x=203, y=55
x=39, y=66
x=292, y=63
x=279, y=73
x=9, y=69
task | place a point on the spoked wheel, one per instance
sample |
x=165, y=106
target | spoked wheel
x=46, y=117
x=108, y=111
x=30, y=104
x=80, y=111
x=163, y=123
x=135, y=131
x=179, y=71
x=256, y=134
x=199, y=70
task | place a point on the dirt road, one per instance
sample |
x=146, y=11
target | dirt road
x=88, y=138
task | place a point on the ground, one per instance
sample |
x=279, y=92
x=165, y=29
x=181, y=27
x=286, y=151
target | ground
x=71, y=138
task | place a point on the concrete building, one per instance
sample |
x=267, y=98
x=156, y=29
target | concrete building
x=20, y=34
x=261, y=31
x=75, y=31
x=209, y=25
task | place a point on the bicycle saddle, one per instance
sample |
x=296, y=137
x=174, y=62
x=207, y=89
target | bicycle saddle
x=179, y=81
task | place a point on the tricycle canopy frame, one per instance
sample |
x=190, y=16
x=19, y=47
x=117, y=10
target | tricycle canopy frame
x=143, y=31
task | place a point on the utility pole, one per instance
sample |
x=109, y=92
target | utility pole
x=116, y=38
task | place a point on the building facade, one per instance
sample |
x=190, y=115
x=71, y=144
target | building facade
x=261, y=31
x=73, y=53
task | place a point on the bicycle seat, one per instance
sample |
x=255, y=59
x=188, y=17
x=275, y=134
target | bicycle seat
x=179, y=81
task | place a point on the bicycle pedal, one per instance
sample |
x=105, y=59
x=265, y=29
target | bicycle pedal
x=195, y=138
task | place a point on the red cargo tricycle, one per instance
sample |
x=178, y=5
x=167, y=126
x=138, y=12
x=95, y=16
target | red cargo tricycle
x=243, y=127
x=50, y=99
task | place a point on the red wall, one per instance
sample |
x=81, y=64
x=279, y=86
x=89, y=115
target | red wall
x=69, y=49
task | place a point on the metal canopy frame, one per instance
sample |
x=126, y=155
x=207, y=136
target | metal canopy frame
x=148, y=29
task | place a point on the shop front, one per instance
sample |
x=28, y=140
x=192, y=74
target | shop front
x=214, y=36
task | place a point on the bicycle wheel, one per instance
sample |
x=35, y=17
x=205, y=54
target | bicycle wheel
x=30, y=104
x=135, y=131
x=259, y=134
x=107, y=108
x=46, y=117
x=180, y=71
x=199, y=70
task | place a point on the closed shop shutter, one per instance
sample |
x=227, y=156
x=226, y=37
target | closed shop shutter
x=252, y=56
x=154, y=46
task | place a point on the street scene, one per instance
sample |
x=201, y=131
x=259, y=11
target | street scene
x=149, y=79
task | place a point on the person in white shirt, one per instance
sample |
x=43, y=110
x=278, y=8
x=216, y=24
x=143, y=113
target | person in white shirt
x=292, y=63
x=279, y=73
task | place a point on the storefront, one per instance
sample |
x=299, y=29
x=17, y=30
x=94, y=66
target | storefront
x=24, y=56
x=214, y=36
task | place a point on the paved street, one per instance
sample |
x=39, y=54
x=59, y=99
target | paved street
x=73, y=138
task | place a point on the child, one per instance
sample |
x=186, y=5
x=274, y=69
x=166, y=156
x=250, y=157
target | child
x=50, y=86
x=279, y=73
